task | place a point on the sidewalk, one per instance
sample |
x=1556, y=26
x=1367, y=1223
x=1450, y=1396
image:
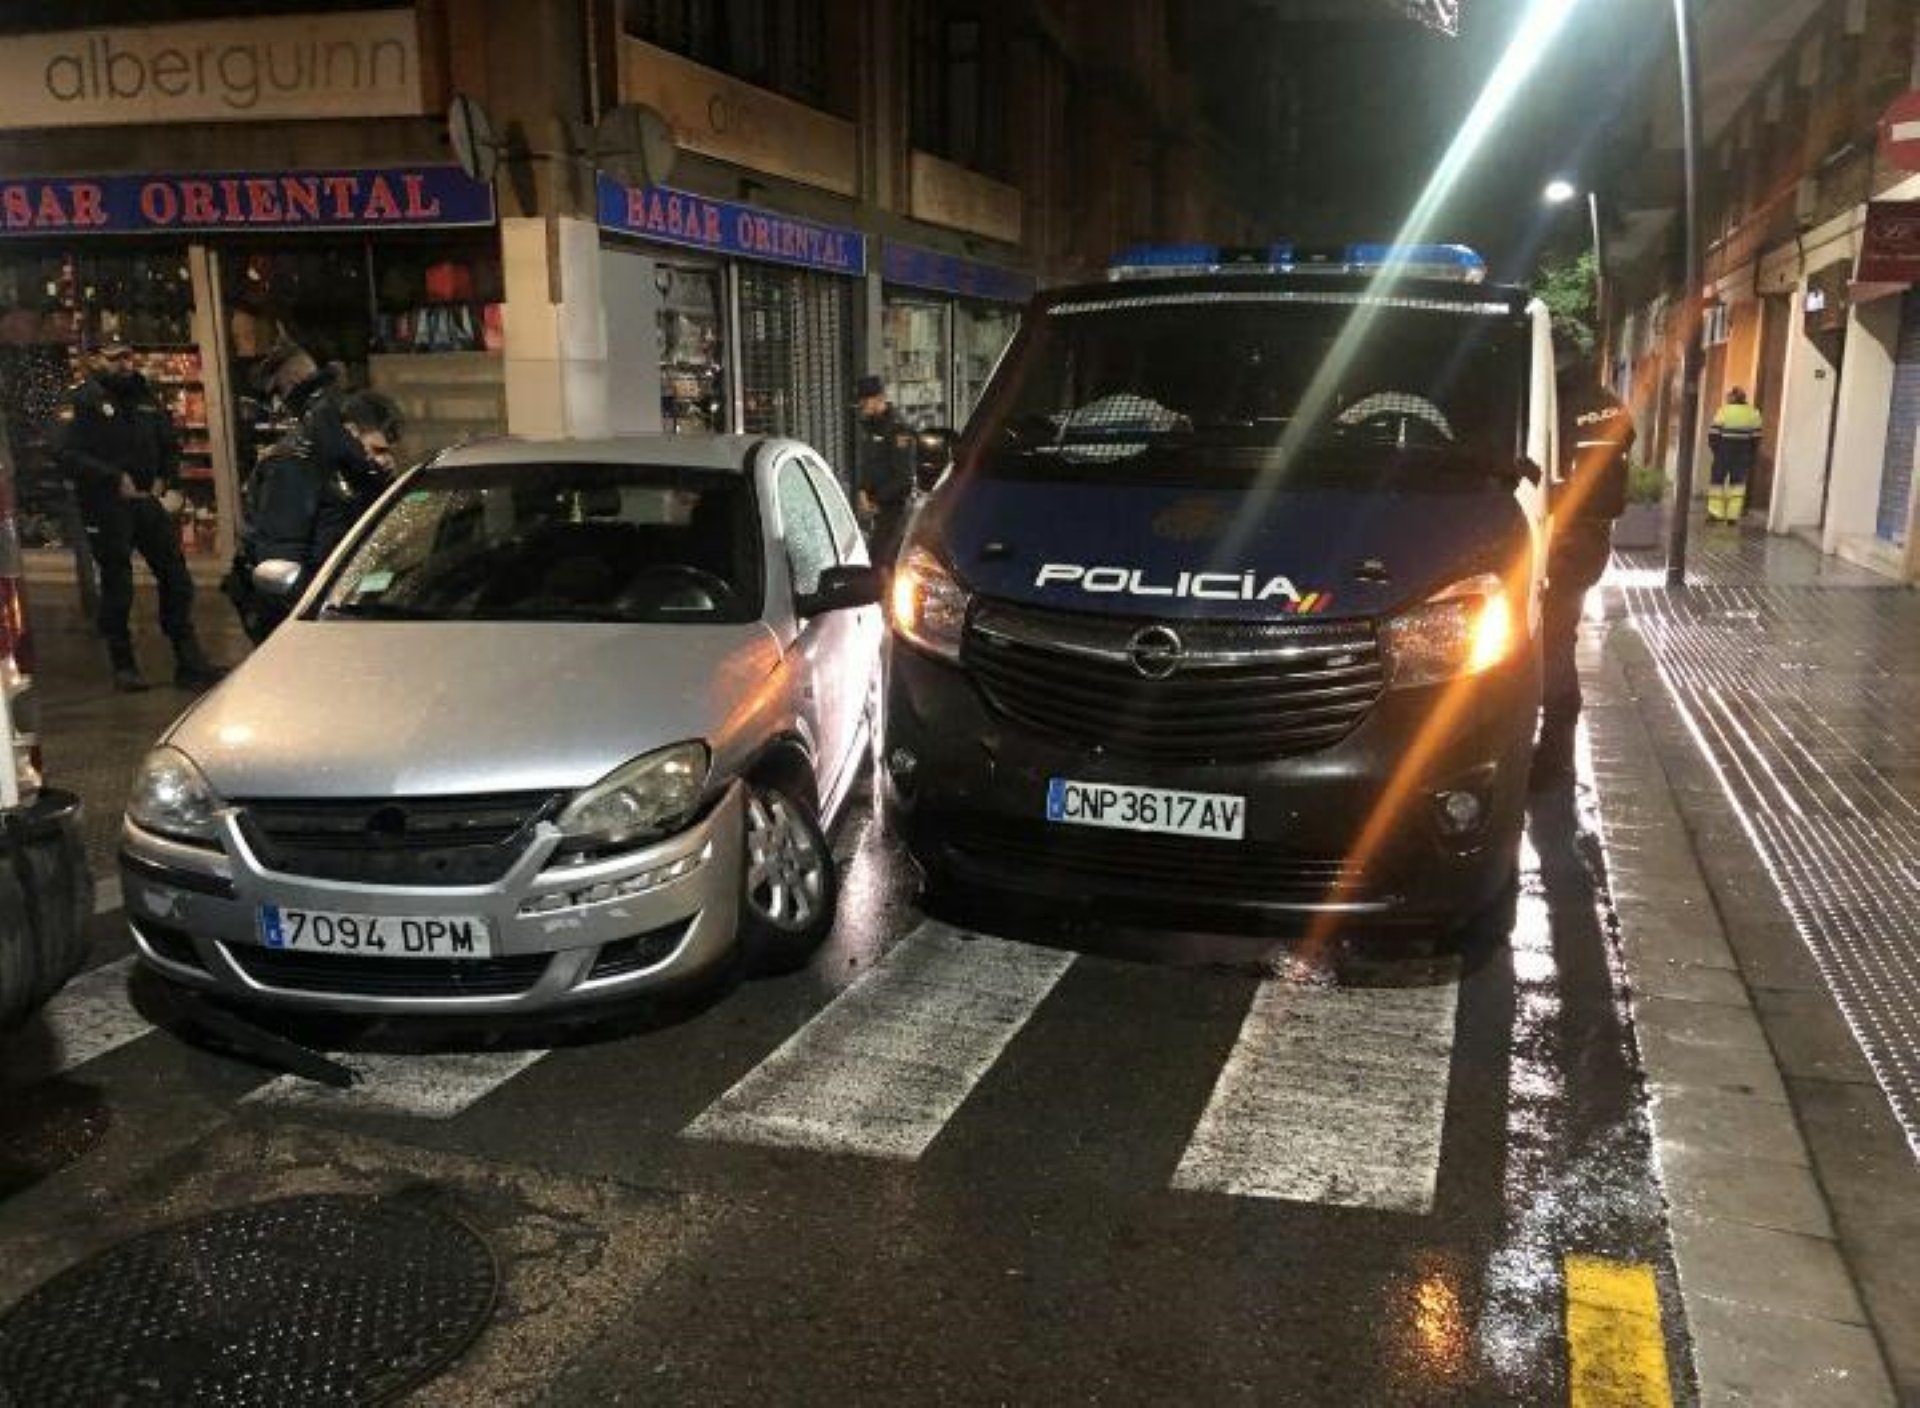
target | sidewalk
x=1756, y=744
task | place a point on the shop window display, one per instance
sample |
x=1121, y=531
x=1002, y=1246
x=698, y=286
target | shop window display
x=981, y=335
x=692, y=376
x=56, y=307
x=916, y=360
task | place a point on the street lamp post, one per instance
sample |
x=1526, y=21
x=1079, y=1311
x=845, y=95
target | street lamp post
x=1690, y=356
x=1558, y=192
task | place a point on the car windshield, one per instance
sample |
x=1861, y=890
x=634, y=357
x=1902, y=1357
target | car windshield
x=1213, y=385
x=558, y=542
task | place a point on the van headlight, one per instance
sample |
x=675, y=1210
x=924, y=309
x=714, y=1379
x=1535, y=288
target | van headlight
x=1466, y=629
x=929, y=606
x=171, y=797
x=647, y=798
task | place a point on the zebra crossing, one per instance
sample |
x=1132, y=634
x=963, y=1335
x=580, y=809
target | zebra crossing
x=1329, y=1094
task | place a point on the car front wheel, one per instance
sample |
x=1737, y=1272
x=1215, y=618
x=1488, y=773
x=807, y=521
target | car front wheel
x=791, y=883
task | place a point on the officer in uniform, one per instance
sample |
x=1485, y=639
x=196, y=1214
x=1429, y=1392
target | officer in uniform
x=883, y=470
x=1735, y=439
x=1596, y=433
x=119, y=447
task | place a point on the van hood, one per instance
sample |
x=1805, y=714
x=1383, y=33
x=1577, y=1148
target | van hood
x=1192, y=553
x=353, y=709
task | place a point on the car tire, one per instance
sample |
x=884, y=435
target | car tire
x=791, y=883
x=46, y=904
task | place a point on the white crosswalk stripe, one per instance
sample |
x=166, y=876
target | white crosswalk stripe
x=882, y=1068
x=1332, y=1095
x=432, y=1086
x=89, y=1017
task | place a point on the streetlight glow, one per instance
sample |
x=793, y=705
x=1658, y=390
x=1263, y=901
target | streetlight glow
x=1559, y=191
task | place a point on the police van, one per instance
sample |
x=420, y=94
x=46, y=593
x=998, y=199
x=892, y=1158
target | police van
x=1229, y=604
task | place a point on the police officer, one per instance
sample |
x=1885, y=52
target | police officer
x=1596, y=433
x=119, y=446
x=883, y=470
x=1735, y=439
x=309, y=491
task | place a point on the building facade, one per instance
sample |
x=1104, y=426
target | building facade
x=857, y=186
x=1794, y=163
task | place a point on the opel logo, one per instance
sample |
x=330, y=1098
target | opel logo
x=1156, y=652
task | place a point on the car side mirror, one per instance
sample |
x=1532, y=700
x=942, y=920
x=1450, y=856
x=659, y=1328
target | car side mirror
x=276, y=577
x=1525, y=468
x=842, y=588
x=933, y=454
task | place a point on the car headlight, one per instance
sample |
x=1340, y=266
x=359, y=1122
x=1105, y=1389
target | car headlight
x=638, y=801
x=1465, y=630
x=929, y=606
x=172, y=798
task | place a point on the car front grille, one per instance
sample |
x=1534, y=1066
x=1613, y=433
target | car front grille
x=1169, y=867
x=353, y=976
x=472, y=840
x=1238, y=692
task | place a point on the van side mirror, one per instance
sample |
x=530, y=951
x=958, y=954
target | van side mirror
x=276, y=578
x=842, y=588
x=933, y=454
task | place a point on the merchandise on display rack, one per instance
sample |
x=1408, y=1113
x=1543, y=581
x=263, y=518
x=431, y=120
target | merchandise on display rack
x=981, y=334
x=57, y=307
x=916, y=355
x=693, y=387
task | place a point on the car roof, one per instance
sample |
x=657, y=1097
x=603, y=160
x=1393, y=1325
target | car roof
x=723, y=453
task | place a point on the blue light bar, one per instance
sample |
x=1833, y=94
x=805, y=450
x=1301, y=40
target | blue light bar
x=1453, y=262
x=1438, y=261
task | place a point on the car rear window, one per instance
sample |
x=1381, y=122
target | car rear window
x=558, y=542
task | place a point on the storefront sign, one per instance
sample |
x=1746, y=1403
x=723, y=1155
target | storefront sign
x=363, y=64
x=944, y=194
x=680, y=217
x=947, y=273
x=1900, y=133
x=722, y=117
x=1890, y=247
x=377, y=198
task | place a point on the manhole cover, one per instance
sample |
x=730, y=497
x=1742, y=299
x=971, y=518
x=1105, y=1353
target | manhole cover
x=321, y=1300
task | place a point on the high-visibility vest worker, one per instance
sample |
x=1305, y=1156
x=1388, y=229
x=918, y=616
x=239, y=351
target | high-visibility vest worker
x=1735, y=438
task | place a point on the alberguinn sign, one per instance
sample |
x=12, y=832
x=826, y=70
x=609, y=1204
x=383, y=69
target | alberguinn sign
x=361, y=64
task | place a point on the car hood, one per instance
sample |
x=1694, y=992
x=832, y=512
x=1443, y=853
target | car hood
x=423, y=708
x=1180, y=552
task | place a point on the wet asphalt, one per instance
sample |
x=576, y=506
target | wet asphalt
x=1046, y=1245
x=1035, y=1252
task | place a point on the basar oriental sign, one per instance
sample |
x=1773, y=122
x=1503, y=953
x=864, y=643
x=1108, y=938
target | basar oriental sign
x=366, y=198
x=362, y=64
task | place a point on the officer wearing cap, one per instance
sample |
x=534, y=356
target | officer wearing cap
x=883, y=465
x=119, y=447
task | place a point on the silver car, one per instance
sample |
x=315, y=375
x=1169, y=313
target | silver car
x=564, y=721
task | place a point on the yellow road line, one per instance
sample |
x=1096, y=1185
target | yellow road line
x=1616, y=1351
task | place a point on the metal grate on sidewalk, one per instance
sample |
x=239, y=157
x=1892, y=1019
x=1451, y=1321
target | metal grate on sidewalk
x=1806, y=701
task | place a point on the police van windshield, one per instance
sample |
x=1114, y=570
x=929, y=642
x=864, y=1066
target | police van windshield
x=1216, y=384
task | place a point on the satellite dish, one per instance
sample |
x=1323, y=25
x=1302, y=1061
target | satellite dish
x=634, y=145
x=471, y=132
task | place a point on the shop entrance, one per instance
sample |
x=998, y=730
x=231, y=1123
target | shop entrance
x=796, y=343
